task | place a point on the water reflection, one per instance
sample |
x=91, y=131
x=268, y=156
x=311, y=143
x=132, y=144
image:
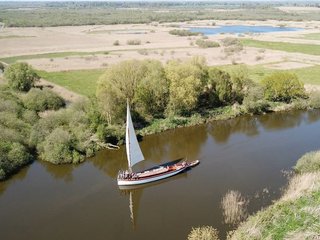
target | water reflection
x=282, y=120
x=134, y=194
x=313, y=116
x=15, y=178
x=60, y=173
x=222, y=130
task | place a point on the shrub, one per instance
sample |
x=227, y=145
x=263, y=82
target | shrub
x=13, y=155
x=57, y=147
x=20, y=76
x=310, y=162
x=204, y=233
x=283, y=87
x=116, y=43
x=134, y=42
x=183, y=32
x=41, y=100
x=207, y=44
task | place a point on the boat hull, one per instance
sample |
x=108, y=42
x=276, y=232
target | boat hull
x=138, y=181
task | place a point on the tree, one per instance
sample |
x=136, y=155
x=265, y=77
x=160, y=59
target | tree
x=41, y=100
x=153, y=90
x=20, y=76
x=283, y=87
x=186, y=81
x=241, y=83
x=118, y=84
x=219, y=87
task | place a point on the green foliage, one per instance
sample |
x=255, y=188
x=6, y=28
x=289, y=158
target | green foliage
x=219, y=87
x=204, y=233
x=254, y=102
x=13, y=155
x=40, y=100
x=119, y=83
x=283, y=87
x=310, y=162
x=207, y=43
x=20, y=76
x=15, y=126
x=153, y=90
x=58, y=147
x=183, y=32
x=186, y=83
x=65, y=136
x=241, y=83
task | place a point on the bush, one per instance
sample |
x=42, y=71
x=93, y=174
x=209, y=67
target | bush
x=283, y=87
x=65, y=136
x=204, y=233
x=134, y=42
x=310, y=162
x=57, y=147
x=13, y=155
x=116, y=43
x=20, y=76
x=41, y=100
x=207, y=44
x=183, y=32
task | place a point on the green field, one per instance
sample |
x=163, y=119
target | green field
x=309, y=75
x=311, y=49
x=10, y=60
x=80, y=81
x=312, y=36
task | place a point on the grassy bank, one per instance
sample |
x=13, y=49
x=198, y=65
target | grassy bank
x=294, y=216
x=81, y=81
x=311, y=49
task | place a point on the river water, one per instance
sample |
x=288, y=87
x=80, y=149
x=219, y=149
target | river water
x=247, y=154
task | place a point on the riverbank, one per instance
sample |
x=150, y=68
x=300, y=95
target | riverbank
x=230, y=112
x=296, y=214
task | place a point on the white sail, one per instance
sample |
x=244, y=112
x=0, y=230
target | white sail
x=134, y=153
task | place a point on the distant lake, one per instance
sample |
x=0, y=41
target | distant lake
x=241, y=29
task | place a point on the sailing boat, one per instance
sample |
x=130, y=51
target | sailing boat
x=135, y=155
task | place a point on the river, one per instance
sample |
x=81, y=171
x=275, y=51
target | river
x=248, y=154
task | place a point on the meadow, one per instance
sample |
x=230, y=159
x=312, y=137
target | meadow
x=312, y=49
x=82, y=81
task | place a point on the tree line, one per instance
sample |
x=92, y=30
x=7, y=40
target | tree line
x=179, y=93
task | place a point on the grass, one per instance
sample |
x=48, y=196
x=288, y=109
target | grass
x=10, y=60
x=80, y=81
x=312, y=36
x=295, y=216
x=311, y=49
x=308, y=75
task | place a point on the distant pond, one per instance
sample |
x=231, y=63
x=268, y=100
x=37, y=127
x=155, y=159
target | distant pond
x=241, y=29
x=248, y=154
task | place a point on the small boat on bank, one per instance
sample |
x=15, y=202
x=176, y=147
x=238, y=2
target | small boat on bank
x=134, y=155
